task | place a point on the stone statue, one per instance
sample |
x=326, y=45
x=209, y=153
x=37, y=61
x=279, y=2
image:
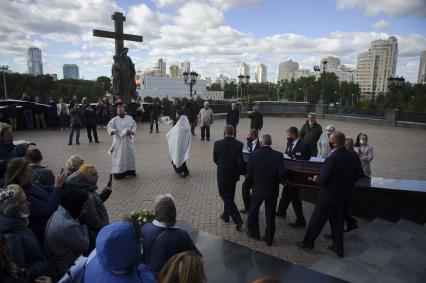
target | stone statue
x=123, y=77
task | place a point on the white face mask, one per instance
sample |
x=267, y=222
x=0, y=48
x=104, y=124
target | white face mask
x=25, y=215
x=363, y=141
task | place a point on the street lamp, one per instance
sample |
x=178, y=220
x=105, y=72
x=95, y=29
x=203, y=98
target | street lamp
x=190, y=79
x=305, y=98
x=353, y=99
x=243, y=82
x=324, y=64
x=4, y=68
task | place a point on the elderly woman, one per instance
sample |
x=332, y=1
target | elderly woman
x=96, y=215
x=73, y=164
x=66, y=239
x=43, y=201
x=117, y=257
x=365, y=152
x=323, y=144
x=161, y=239
x=24, y=248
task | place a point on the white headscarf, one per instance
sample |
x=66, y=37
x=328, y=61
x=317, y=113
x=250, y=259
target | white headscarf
x=179, y=140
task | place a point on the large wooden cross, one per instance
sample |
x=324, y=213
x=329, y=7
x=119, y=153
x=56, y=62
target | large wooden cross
x=118, y=34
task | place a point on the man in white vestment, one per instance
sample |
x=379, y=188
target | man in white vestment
x=122, y=128
x=179, y=140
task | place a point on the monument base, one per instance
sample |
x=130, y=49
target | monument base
x=320, y=110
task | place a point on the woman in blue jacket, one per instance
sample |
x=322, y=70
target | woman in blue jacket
x=117, y=256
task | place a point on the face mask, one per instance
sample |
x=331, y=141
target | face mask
x=25, y=215
x=290, y=139
x=363, y=141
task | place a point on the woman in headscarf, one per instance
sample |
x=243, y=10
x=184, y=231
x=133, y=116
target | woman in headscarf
x=179, y=140
x=365, y=152
x=43, y=201
x=323, y=144
x=24, y=248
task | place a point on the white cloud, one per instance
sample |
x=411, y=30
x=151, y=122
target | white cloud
x=381, y=25
x=397, y=8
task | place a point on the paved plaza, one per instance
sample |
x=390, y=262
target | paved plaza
x=399, y=153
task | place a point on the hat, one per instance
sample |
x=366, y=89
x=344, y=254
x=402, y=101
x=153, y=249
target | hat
x=9, y=205
x=85, y=169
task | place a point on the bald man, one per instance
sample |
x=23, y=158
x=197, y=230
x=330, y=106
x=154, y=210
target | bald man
x=336, y=181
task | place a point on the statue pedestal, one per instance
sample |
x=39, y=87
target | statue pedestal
x=320, y=110
x=391, y=115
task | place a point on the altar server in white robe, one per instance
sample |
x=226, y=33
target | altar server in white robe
x=122, y=128
x=179, y=140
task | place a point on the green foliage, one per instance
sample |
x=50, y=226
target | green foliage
x=45, y=87
x=166, y=105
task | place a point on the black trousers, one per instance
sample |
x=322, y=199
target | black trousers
x=327, y=211
x=350, y=221
x=152, y=123
x=253, y=217
x=91, y=129
x=291, y=194
x=205, y=133
x=227, y=193
x=246, y=187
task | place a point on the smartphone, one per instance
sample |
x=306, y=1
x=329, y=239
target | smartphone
x=109, y=181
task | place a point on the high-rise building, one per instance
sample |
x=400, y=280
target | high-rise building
x=244, y=70
x=376, y=66
x=422, y=68
x=159, y=68
x=185, y=67
x=342, y=72
x=261, y=74
x=302, y=73
x=287, y=70
x=174, y=71
x=71, y=71
x=34, y=62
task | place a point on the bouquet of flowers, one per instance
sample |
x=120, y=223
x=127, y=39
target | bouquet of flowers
x=141, y=218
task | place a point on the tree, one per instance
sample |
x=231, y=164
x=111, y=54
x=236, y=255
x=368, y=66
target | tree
x=105, y=82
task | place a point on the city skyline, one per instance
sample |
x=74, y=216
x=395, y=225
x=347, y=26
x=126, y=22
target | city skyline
x=216, y=38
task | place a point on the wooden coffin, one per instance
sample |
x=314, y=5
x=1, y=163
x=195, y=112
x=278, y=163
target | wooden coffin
x=300, y=173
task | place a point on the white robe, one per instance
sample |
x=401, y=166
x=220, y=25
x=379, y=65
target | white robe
x=179, y=140
x=123, y=147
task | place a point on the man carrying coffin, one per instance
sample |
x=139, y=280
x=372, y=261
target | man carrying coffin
x=336, y=182
x=122, y=127
x=296, y=149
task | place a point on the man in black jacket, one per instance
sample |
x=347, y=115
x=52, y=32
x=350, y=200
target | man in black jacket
x=311, y=132
x=90, y=119
x=296, y=149
x=252, y=144
x=266, y=170
x=228, y=156
x=336, y=181
x=155, y=113
x=233, y=117
x=256, y=119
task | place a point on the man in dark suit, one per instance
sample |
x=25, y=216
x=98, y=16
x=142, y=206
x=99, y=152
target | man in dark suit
x=228, y=156
x=336, y=181
x=155, y=113
x=266, y=171
x=233, y=118
x=253, y=143
x=296, y=149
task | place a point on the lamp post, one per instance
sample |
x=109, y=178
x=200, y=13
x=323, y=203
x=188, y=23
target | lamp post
x=305, y=98
x=243, y=82
x=4, y=68
x=353, y=99
x=190, y=79
x=324, y=64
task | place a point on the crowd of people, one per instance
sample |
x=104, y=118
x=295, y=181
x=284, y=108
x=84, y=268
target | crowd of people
x=51, y=222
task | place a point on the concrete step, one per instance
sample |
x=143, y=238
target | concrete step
x=371, y=232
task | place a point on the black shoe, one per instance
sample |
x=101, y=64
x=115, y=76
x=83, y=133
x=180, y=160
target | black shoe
x=202, y=139
x=186, y=173
x=97, y=142
x=208, y=139
x=158, y=132
x=245, y=210
x=304, y=246
x=297, y=224
x=254, y=237
x=90, y=141
x=150, y=132
x=77, y=143
x=70, y=144
x=239, y=227
x=352, y=227
x=281, y=214
x=327, y=236
x=338, y=252
x=268, y=243
x=224, y=219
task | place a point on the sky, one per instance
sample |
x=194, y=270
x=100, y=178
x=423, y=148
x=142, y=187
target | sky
x=214, y=35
